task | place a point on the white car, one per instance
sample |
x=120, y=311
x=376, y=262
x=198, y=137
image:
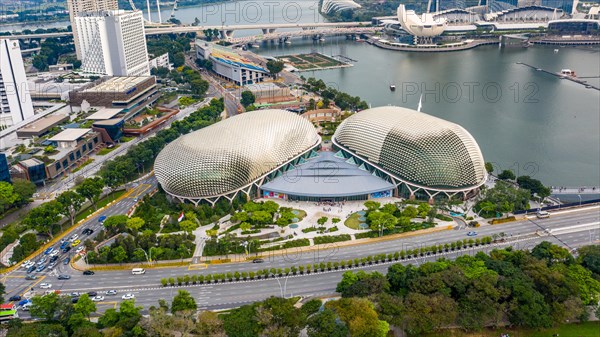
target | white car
x=128, y=296
x=27, y=264
x=54, y=252
x=74, y=237
x=98, y=298
x=45, y=285
x=111, y=292
x=79, y=249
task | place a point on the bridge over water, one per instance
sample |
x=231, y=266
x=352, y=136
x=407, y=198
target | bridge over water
x=316, y=33
x=225, y=30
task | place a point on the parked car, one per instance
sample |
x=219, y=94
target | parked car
x=64, y=277
x=75, y=243
x=46, y=285
x=88, y=272
x=111, y=292
x=15, y=298
x=98, y=298
x=128, y=296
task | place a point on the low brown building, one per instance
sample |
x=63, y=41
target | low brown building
x=131, y=93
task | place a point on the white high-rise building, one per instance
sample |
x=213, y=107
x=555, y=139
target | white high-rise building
x=15, y=101
x=81, y=6
x=113, y=43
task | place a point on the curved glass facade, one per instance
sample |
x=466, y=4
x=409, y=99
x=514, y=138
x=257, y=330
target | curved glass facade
x=233, y=154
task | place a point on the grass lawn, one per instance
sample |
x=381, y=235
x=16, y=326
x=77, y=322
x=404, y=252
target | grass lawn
x=588, y=329
x=106, y=150
x=352, y=221
x=101, y=203
x=126, y=139
x=86, y=163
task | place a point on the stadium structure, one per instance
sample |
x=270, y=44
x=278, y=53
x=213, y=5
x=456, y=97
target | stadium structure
x=379, y=152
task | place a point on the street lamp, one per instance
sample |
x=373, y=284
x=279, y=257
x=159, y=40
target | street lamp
x=284, y=289
x=579, y=195
x=147, y=258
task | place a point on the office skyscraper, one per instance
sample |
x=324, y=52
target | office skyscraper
x=113, y=43
x=15, y=101
x=81, y=6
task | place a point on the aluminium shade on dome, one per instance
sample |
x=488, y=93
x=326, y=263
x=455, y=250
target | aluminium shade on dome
x=233, y=153
x=415, y=147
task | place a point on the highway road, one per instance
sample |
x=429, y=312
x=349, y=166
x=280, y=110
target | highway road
x=574, y=228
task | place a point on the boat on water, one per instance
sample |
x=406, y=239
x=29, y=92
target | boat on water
x=392, y=87
x=255, y=45
x=555, y=51
x=321, y=39
x=288, y=41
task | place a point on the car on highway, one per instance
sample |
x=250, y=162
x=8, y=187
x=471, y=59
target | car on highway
x=23, y=302
x=74, y=299
x=45, y=285
x=102, y=218
x=128, y=296
x=98, y=298
x=31, y=277
x=66, y=261
x=54, y=253
x=74, y=294
x=258, y=261
x=92, y=293
x=87, y=231
x=75, y=243
x=79, y=249
x=26, y=264
x=74, y=237
x=542, y=215
x=64, y=244
x=66, y=249
x=88, y=272
x=42, y=261
x=26, y=305
x=111, y=292
x=54, y=258
x=30, y=269
x=40, y=268
x=48, y=251
x=471, y=233
x=52, y=264
x=64, y=277
x=15, y=298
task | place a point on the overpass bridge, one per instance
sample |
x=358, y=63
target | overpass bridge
x=226, y=31
x=315, y=34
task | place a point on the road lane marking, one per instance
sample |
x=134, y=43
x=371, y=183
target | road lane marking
x=34, y=284
x=198, y=266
